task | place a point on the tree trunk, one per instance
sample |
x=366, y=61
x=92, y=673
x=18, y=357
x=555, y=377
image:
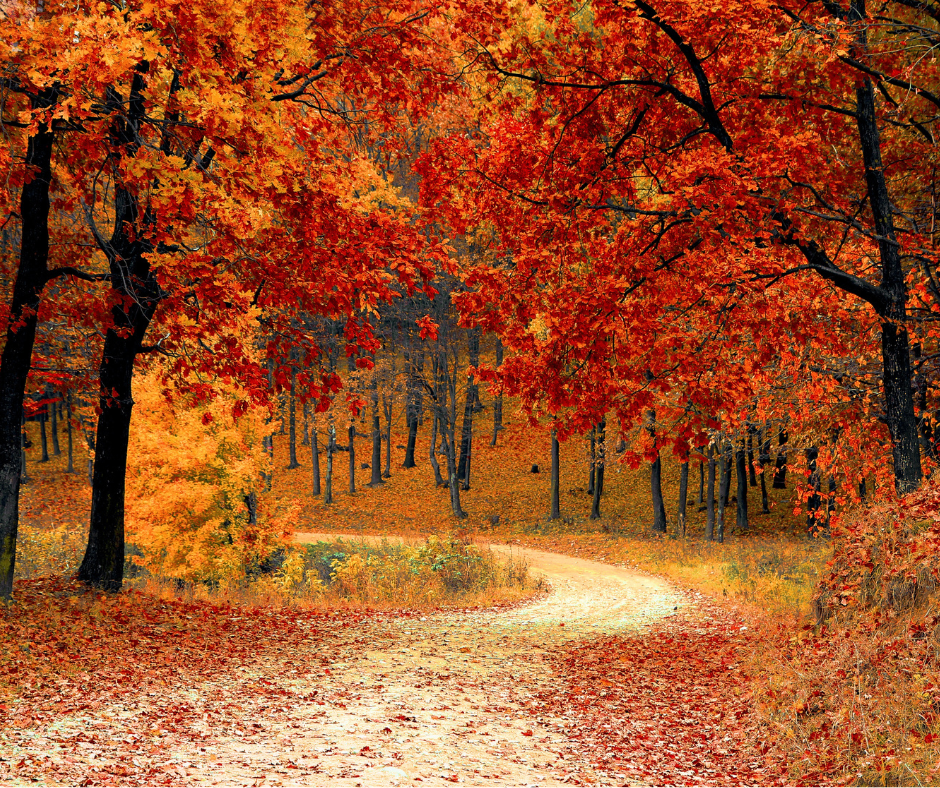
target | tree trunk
x=556, y=478
x=315, y=460
x=498, y=399
x=710, y=517
x=659, y=505
x=136, y=295
x=23, y=444
x=43, y=440
x=413, y=406
x=741, y=469
x=470, y=403
x=432, y=455
x=592, y=469
x=292, y=419
x=895, y=346
x=656, y=479
x=68, y=431
x=750, y=457
x=376, y=478
x=352, y=459
x=54, y=428
x=763, y=444
x=701, y=482
x=330, y=449
x=780, y=468
x=387, y=472
x=305, y=440
x=16, y=357
x=724, y=492
x=450, y=451
x=599, y=471
x=683, y=498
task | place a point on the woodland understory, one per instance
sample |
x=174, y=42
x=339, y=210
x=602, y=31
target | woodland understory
x=450, y=391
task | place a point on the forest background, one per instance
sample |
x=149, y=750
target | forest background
x=672, y=246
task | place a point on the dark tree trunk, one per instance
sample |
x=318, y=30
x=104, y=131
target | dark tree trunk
x=659, y=505
x=21, y=332
x=413, y=406
x=305, y=440
x=376, y=478
x=54, y=428
x=599, y=460
x=556, y=478
x=656, y=480
x=763, y=440
x=450, y=452
x=741, y=470
x=432, y=454
x=750, y=457
x=43, y=440
x=724, y=491
x=683, y=498
x=592, y=468
x=701, y=482
x=498, y=399
x=387, y=472
x=895, y=346
x=136, y=295
x=710, y=505
x=330, y=449
x=352, y=459
x=470, y=404
x=315, y=461
x=861, y=490
x=292, y=420
x=814, y=501
x=23, y=443
x=68, y=431
x=780, y=468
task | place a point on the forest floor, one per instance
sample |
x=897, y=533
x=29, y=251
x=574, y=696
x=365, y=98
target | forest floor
x=612, y=677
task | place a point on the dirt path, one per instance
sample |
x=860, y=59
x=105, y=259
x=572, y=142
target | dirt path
x=360, y=700
x=450, y=697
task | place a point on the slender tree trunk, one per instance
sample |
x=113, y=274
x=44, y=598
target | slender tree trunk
x=599, y=471
x=750, y=457
x=814, y=502
x=23, y=442
x=763, y=439
x=556, y=478
x=43, y=440
x=387, y=406
x=413, y=405
x=656, y=479
x=701, y=482
x=498, y=399
x=68, y=431
x=470, y=403
x=54, y=428
x=292, y=419
x=352, y=459
x=780, y=469
x=305, y=440
x=741, y=469
x=330, y=449
x=450, y=451
x=659, y=505
x=683, y=498
x=16, y=357
x=710, y=517
x=592, y=468
x=432, y=455
x=315, y=460
x=724, y=492
x=376, y=479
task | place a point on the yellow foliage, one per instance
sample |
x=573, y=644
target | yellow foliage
x=192, y=470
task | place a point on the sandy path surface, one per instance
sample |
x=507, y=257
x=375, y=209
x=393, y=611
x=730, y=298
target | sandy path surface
x=450, y=698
